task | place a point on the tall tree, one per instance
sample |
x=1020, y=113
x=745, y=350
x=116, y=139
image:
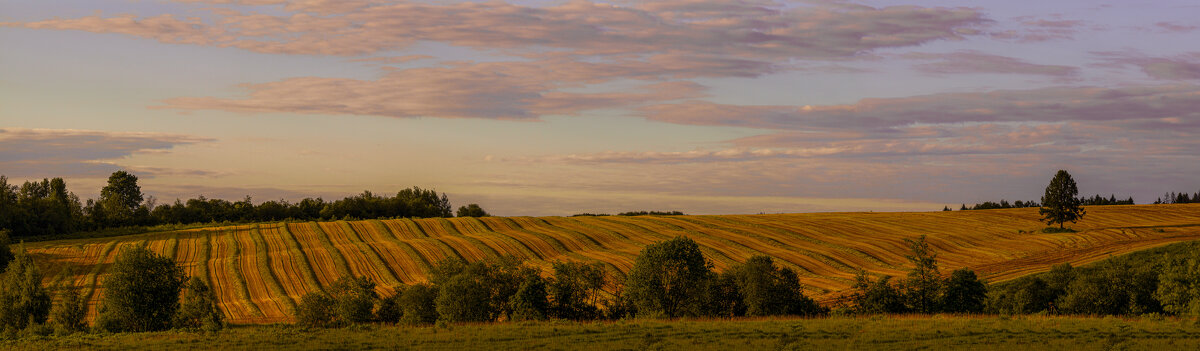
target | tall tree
x=121, y=197
x=1060, y=204
x=669, y=279
x=923, y=288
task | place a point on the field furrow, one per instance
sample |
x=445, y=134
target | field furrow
x=232, y=296
x=255, y=267
x=326, y=261
x=288, y=263
x=404, y=262
x=362, y=260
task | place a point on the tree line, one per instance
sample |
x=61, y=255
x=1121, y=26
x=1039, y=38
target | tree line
x=1178, y=198
x=633, y=213
x=1096, y=200
x=46, y=207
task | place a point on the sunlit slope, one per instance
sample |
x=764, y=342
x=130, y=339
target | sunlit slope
x=260, y=271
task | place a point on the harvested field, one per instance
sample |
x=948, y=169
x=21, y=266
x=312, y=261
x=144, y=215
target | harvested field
x=260, y=271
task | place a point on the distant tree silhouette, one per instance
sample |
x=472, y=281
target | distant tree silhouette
x=472, y=210
x=121, y=198
x=1059, y=204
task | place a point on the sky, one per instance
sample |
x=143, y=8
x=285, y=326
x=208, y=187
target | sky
x=563, y=107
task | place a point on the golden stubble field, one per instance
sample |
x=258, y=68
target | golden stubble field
x=260, y=271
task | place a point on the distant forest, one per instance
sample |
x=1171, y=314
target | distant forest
x=1084, y=201
x=41, y=208
x=1178, y=198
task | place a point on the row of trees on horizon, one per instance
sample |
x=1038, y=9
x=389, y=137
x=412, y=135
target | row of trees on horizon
x=46, y=207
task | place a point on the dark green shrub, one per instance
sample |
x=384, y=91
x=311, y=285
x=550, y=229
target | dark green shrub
x=964, y=293
x=670, y=279
x=1022, y=296
x=464, y=298
x=390, y=310
x=724, y=298
x=6, y=254
x=23, y=300
x=199, y=307
x=316, y=310
x=1179, y=284
x=767, y=290
x=530, y=303
x=141, y=293
x=418, y=303
x=478, y=291
x=876, y=296
x=69, y=313
x=574, y=289
x=354, y=299
x=1114, y=288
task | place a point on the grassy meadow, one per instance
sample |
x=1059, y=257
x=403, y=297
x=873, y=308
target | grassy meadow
x=939, y=332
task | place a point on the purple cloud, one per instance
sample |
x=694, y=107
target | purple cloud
x=967, y=62
x=1180, y=67
x=83, y=153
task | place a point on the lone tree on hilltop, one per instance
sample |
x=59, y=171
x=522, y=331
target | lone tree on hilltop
x=121, y=197
x=1060, y=204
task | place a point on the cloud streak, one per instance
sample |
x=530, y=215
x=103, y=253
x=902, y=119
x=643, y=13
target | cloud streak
x=82, y=153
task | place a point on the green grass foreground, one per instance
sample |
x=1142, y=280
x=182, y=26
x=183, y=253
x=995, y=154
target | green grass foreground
x=868, y=333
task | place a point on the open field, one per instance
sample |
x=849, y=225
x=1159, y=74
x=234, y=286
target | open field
x=260, y=270
x=878, y=333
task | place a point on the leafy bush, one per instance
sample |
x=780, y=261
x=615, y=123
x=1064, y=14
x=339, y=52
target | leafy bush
x=876, y=296
x=472, y=210
x=530, y=303
x=964, y=293
x=418, y=303
x=23, y=300
x=767, y=290
x=574, y=289
x=316, y=310
x=354, y=299
x=69, y=313
x=464, y=298
x=6, y=254
x=1179, y=284
x=1115, y=288
x=478, y=291
x=199, y=308
x=141, y=293
x=670, y=279
x=390, y=311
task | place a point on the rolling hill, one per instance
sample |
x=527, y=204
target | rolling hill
x=260, y=271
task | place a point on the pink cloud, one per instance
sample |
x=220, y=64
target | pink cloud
x=1180, y=67
x=1137, y=107
x=483, y=90
x=740, y=29
x=84, y=153
x=965, y=62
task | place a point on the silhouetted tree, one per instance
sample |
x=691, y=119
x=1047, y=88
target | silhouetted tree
x=1059, y=204
x=472, y=210
x=121, y=198
x=923, y=287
